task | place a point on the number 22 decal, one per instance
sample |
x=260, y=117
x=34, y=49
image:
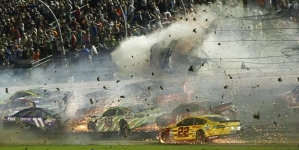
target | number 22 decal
x=38, y=122
x=183, y=131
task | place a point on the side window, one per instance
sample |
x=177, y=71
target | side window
x=27, y=113
x=186, y=122
x=120, y=112
x=198, y=121
x=111, y=112
x=39, y=113
x=35, y=113
x=18, y=95
x=15, y=104
x=25, y=104
x=43, y=114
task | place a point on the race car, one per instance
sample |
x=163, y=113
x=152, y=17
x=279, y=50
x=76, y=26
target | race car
x=42, y=92
x=16, y=105
x=176, y=55
x=37, y=119
x=200, y=129
x=289, y=99
x=196, y=108
x=123, y=119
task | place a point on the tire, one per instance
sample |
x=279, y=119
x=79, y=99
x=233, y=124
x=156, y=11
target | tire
x=91, y=126
x=200, y=137
x=123, y=127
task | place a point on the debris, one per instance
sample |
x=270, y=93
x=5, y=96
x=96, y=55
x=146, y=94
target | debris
x=122, y=96
x=161, y=88
x=191, y=68
x=117, y=81
x=256, y=116
x=105, y=87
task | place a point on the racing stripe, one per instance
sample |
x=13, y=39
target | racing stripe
x=101, y=126
x=140, y=122
x=132, y=122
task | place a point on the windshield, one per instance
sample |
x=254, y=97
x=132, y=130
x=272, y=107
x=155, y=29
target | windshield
x=217, y=119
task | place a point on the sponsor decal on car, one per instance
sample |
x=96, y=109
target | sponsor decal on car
x=25, y=119
x=11, y=119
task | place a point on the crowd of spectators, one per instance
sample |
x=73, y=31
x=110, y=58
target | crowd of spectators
x=28, y=31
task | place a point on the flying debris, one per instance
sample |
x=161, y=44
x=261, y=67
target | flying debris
x=191, y=69
x=105, y=87
x=256, y=116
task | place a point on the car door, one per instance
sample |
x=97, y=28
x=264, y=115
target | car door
x=109, y=119
x=183, y=129
x=199, y=124
x=37, y=116
x=26, y=119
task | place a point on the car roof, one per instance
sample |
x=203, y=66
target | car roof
x=205, y=116
x=28, y=98
x=49, y=111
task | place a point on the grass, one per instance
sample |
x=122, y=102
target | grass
x=151, y=147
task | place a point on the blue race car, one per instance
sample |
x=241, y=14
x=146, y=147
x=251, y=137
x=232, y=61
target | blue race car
x=35, y=119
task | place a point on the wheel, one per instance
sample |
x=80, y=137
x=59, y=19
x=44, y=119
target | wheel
x=123, y=127
x=91, y=126
x=200, y=137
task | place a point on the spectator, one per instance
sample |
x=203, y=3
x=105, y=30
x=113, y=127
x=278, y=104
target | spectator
x=31, y=27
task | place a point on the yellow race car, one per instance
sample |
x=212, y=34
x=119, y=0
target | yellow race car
x=200, y=129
